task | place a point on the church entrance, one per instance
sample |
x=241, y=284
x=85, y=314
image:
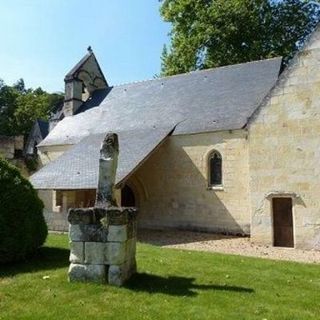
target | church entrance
x=282, y=222
x=127, y=197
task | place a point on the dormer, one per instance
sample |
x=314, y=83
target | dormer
x=82, y=80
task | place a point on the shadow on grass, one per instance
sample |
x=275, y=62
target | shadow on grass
x=46, y=258
x=175, y=286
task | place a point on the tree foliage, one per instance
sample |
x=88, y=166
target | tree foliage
x=22, y=225
x=20, y=107
x=211, y=33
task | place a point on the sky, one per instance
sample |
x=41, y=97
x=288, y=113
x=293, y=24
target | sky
x=41, y=40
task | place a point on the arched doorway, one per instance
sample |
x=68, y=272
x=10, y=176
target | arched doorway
x=127, y=197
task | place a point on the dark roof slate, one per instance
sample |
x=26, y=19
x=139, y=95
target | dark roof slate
x=43, y=127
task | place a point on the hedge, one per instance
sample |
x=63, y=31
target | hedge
x=22, y=226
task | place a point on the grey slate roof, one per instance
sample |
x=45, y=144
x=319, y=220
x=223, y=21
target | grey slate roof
x=78, y=167
x=43, y=127
x=209, y=100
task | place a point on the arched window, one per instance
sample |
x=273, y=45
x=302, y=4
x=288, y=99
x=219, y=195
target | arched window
x=215, y=169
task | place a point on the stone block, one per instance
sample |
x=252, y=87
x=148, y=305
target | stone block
x=131, y=248
x=77, y=272
x=118, y=233
x=132, y=229
x=121, y=216
x=96, y=252
x=88, y=233
x=116, y=252
x=92, y=273
x=76, y=252
x=118, y=274
x=81, y=216
x=75, y=233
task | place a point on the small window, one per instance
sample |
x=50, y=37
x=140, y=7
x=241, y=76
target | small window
x=215, y=169
x=58, y=198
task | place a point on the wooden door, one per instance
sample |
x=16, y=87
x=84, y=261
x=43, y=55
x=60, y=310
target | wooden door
x=282, y=222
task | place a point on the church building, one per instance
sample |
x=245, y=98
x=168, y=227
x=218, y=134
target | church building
x=233, y=150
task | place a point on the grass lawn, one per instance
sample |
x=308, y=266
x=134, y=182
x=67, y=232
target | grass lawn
x=171, y=284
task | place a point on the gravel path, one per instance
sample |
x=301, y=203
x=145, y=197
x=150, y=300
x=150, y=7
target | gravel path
x=224, y=244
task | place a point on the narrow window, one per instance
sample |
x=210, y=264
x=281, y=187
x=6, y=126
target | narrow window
x=215, y=169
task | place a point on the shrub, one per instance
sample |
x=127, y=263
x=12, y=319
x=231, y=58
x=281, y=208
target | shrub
x=22, y=225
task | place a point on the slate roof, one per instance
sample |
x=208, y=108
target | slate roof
x=78, y=167
x=202, y=101
x=43, y=127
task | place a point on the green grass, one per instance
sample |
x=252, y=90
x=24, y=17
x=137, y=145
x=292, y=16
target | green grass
x=171, y=284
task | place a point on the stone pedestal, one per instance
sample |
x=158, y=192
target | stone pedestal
x=102, y=244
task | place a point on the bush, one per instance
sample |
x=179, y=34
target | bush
x=22, y=225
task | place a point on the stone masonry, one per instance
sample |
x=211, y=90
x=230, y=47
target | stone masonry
x=103, y=238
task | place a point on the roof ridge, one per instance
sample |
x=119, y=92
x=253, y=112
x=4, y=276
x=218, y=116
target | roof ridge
x=192, y=72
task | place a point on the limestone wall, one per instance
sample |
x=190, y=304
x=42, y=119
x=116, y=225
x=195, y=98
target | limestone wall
x=58, y=202
x=171, y=187
x=11, y=146
x=285, y=153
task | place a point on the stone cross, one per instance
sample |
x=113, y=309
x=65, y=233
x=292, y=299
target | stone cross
x=108, y=163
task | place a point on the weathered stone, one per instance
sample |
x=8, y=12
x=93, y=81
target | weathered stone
x=120, y=216
x=81, y=216
x=92, y=273
x=77, y=272
x=131, y=249
x=96, y=252
x=118, y=233
x=88, y=233
x=116, y=252
x=132, y=229
x=76, y=252
x=99, y=213
x=107, y=171
x=118, y=274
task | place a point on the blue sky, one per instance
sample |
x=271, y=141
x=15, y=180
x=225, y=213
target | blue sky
x=42, y=39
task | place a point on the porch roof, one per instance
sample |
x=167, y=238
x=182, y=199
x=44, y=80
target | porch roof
x=78, y=167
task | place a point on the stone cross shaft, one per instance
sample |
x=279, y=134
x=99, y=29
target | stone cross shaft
x=107, y=171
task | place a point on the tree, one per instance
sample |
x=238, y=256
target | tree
x=29, y=107
x=20, y=107
x=211, y=33
x=8, y=97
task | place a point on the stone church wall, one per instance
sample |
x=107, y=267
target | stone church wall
x=285, y=151
x=172, y=190
x=171, y=187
